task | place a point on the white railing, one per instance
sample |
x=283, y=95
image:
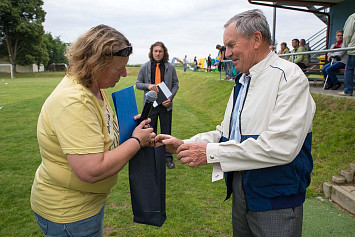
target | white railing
x=316, y=52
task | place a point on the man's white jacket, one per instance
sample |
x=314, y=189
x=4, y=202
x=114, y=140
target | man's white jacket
x=276, y=129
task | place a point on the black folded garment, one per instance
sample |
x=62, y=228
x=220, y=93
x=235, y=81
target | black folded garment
x=337, y=58
x=147, y=181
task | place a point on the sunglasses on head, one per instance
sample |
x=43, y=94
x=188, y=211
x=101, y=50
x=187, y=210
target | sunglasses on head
x=124, y=52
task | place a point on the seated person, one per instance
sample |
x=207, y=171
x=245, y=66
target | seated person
x=303, y=44
x=301, y=60
x=284, y=50
x=306, y=46
x=337, y=61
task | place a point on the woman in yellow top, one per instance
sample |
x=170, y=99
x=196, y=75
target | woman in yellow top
x=78, y=138
x=284, y=50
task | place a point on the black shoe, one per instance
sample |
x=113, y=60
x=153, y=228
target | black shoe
x=336, y=86
x=328, y=87
x=170, y=164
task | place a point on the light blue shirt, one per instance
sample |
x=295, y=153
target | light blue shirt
x=235, y=133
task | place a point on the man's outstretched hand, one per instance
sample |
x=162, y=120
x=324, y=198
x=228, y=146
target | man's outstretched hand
x=171, y=143
x=193, y=154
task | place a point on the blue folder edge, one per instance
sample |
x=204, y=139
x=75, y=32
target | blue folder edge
x=126, y=108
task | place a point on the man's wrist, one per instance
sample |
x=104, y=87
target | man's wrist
x=211, y=151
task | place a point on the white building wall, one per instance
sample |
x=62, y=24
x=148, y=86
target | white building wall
x=19, y=68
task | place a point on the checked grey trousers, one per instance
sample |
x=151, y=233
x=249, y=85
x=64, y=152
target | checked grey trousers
x=280, y=223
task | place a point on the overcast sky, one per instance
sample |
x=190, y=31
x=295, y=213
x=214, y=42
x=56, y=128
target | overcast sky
x=191, y=27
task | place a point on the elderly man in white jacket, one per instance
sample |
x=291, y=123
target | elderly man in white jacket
x=263, y=145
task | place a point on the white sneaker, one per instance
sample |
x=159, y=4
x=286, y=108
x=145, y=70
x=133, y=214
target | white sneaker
x=344, y=94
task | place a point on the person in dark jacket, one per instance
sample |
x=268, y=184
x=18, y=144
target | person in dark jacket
x=153, y=72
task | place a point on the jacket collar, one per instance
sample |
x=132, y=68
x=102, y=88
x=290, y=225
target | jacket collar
x=263, y=64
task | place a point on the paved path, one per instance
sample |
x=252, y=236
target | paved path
x=318, y=88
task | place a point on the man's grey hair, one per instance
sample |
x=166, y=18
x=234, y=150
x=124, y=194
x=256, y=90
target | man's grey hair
x=246, y=23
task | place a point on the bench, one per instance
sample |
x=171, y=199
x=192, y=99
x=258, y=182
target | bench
x=317, y=71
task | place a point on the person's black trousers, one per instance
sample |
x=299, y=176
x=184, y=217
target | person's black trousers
x=165, y=121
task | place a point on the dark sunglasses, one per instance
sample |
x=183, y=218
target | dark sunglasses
x=124, y=52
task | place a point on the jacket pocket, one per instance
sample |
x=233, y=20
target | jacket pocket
x=272, y=182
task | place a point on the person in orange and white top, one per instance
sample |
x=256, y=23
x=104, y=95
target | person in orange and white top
x=337, y=60
x=284, y=50
x=157, y=70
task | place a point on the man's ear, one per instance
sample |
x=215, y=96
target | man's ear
x=258, y=39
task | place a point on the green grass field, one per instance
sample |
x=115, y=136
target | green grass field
x=194, y=204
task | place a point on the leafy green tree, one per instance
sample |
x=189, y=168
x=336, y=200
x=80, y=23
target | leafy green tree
x=21, y=31
x=55, y=49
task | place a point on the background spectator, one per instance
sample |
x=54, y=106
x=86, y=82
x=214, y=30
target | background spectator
x=185, y=63
x=301, y=60
x=151, y=73
x=349, y=41
x=284, y=50
x=337, y=61
x=209, y=63
x=195, y=64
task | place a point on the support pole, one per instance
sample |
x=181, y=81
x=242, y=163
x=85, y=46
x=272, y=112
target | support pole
x=274, y=28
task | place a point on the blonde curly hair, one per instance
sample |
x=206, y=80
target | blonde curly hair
x=92, y=52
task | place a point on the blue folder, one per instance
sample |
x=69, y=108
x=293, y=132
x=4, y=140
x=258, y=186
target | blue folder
x=126, y=108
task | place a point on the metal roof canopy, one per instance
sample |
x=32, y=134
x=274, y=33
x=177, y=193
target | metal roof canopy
x=325, y=3
x=316, y=7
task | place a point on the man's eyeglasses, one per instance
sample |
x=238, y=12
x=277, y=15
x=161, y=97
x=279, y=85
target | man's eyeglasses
x=124, y=52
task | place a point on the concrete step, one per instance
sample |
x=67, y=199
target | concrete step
x=342, y=189
x=339, y=179
x=348, y=175
x=342, y=194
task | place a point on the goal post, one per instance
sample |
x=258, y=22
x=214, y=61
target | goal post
x=11, y=69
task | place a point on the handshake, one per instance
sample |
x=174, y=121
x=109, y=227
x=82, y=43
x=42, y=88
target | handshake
x=193, y=154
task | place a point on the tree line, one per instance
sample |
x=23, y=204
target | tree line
x=22, y=37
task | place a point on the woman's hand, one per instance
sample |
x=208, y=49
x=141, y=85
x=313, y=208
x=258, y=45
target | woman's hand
x=144, y=132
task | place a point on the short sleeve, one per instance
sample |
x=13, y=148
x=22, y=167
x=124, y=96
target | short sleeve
x=79, y=129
